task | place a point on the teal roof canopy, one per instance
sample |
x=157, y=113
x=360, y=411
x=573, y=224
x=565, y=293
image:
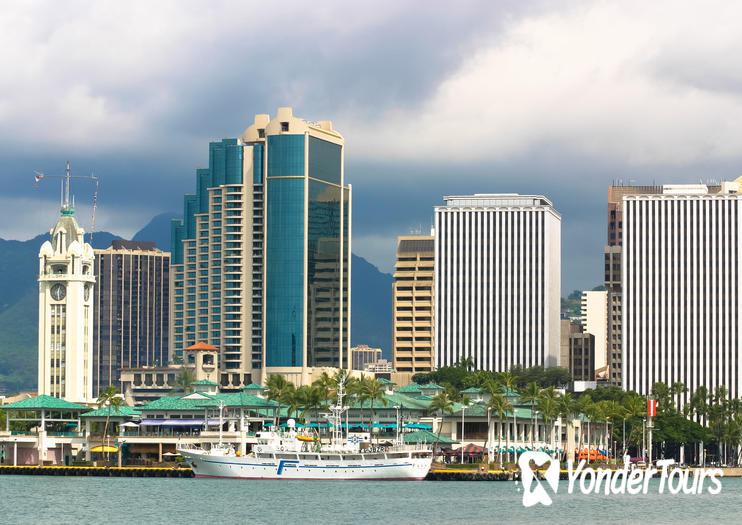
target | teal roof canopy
x=42, y=401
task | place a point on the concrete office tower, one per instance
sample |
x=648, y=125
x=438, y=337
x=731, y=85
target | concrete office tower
x=612, y=260
x=682, y=260
x=66, y=282
x=594, y=318
x=497, y=281
x=130, y=327
x=261, y=261
x=413, y=304
x=363, y=355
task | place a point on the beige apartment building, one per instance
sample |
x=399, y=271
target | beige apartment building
x=413, y=304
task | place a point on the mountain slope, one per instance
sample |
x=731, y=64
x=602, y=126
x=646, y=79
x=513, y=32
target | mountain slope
x=157, y=231
x=371, y=306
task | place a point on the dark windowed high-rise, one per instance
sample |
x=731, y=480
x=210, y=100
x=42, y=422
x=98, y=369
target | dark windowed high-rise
x=131, y=310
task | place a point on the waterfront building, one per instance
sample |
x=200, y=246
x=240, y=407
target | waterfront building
x=497, y=281
x=413, y=299
x=66, y=281
x=681, y=260
x=363, y=355
x=147, y=383
x=131, y=310
x=594, y=319
x=261, y=261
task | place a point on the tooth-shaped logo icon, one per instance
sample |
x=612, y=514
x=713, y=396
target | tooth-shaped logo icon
x=533, y=492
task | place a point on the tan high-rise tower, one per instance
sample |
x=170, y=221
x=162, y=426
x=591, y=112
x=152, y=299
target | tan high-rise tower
x=413, y=304
x=66, y=312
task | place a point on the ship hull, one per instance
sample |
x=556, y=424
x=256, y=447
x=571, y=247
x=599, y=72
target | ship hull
x=387, y=469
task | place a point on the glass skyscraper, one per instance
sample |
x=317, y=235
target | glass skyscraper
x=261, y=260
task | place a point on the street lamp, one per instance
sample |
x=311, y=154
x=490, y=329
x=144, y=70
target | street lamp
x=463, y=407
x=489, y=431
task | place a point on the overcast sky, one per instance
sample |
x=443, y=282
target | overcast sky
x=552, y=98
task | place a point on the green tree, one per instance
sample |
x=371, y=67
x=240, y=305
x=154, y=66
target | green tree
x=375, y=391
x=440, y=404
x=279, y=389
x=531, y=395
x=109, y=397
x=567, y=410
x=309, y=399
x=184, y=382
x=663, y=395
x=548, y=407
x=500, y=407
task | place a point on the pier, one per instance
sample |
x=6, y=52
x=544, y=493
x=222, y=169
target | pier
x=114, y=472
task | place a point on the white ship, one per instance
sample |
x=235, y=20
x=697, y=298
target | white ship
x=292, y=454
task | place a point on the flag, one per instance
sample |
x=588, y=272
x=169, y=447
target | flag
x=652, y=408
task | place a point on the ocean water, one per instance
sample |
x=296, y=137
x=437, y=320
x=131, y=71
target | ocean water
x=40, y=499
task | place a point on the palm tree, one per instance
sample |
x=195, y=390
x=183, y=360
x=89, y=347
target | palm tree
x=508, y=380
x=549, y=409
x=184, y=382
x=328, y=385
x=677, y=389
x=358, y=388
x=279, y=389
x=501, y=407
x=110, y=397
x=634, y=407
x=441, y=404
x=309, y=398
x=594, y=413
x=468, y=363
x=531, y=395
x=567, y=409
x=374, y=391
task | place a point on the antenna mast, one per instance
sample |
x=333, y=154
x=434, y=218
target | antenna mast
x=67, y=208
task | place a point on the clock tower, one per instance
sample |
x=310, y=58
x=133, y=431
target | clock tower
x=66, y=283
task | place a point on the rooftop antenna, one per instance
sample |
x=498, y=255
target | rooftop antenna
x=67, y=207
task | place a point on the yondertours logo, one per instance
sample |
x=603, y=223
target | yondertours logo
x=621, y=481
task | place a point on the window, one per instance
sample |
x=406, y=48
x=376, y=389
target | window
x=284, y=126
x=261, y=133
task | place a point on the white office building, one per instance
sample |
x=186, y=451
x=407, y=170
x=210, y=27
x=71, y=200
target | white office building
x=594, y=318
x=681, y=289
x=497, y=281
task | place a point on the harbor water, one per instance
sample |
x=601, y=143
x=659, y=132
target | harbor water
x=41, y=499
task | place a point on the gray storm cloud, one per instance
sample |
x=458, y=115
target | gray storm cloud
x=550, y=98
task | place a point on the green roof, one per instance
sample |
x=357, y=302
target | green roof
x=431, y=386
x=426, y=436
x=253, y=386
x=421, y=397
x=205, y=382
x=412, y=388
x=385, y=381
x=472, y=390
x=480, y=410
x=43, y=402
x=203, y=400
x=122, y=411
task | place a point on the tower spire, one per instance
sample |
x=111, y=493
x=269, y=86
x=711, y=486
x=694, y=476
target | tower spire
x=67, y=208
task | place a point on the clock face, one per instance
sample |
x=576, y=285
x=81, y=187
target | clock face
x=58, y=292
x=87, y=292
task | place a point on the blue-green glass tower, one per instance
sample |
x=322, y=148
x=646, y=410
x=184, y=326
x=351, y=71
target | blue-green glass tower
x=261, y=263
